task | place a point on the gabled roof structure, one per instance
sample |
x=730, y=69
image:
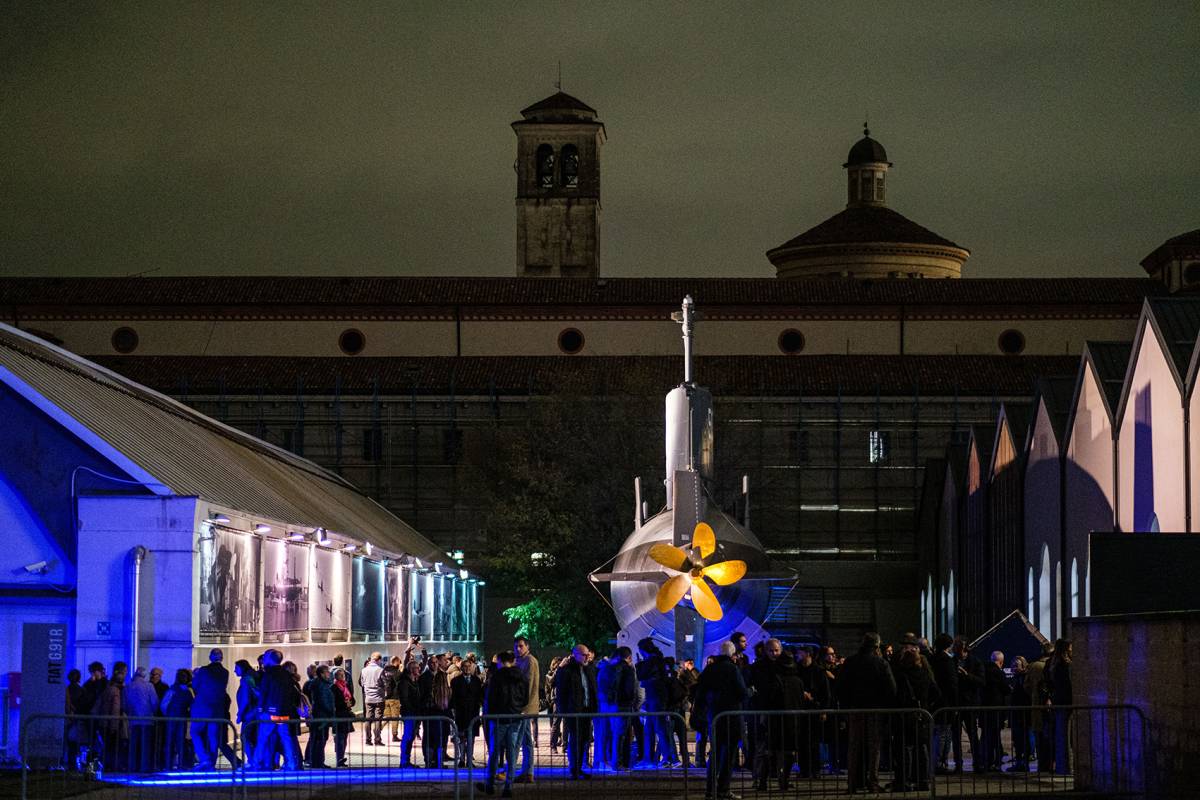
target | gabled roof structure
x=175, y=450
x=1175, y=322
x=1056, y=392
x=1015, y=418
x=1107, y=363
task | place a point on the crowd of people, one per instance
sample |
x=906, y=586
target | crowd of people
x=625, y=711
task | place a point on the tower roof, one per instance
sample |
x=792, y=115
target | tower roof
x=559, y=105
x=866, y=151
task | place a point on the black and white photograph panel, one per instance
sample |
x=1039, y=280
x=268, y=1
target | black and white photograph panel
x=285, y=590
x=422, y=606
x=229, y=569
x=396, y=620
x=366, y=616
x=330, y=613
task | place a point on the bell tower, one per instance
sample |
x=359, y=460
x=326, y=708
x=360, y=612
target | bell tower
x=558, y=188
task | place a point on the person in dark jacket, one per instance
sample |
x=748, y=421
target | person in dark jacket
x=210, y=683
x=278, y=708
x=323, y=710
x=176, y=706
x=916, y=689
x=343, y=710
x=1062, y=693
x=505, y=698
x=466, y=701
x=1019, y=718
x=788, y=735
x=722, y=689
x=652, y=675
x=247, y=702
x=970, y=693
x=408, y=690
x=618, y=693
x=575, y=692
x=865, y=681
x=816, y=696
x=995, y=694
x=947, y=725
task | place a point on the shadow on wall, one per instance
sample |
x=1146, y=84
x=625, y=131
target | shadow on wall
x=1144, y=515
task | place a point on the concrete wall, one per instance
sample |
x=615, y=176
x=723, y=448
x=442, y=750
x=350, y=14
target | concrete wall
x=1043, y=521
x=607, y=331
x=1151, y=448
x=110, y=527
x=1151, y=661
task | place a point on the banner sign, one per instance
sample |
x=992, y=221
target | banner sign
x=43, y=688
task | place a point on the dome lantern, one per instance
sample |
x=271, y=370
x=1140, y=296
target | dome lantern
x=866, y=172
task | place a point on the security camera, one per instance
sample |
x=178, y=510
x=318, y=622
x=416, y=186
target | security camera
x=39, y=568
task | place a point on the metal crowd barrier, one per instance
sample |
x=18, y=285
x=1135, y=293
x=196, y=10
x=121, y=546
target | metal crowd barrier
x=130, y=757
x=820, y=752
x=618, y=754
x=1081, y=749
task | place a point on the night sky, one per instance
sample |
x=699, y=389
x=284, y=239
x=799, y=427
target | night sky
x=356, y=138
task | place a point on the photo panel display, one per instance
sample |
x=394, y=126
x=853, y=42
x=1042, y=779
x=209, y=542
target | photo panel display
x=398, y=592
x=471, y=595
x=421, y=621
x=366, y=612
x=229, y=575
x=285, y=590
x=461, y=592
x=443, y=607
x=330, y=607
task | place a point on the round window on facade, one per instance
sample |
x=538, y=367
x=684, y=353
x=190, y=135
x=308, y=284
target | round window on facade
x=124, y=340
x=570, y=341
x=352, y=342
x=1011, y=342
x=791, y=341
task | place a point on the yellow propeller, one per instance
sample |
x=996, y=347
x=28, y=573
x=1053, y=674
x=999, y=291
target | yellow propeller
x=693, y=571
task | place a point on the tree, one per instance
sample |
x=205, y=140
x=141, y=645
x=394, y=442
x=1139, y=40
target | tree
x=559, y=498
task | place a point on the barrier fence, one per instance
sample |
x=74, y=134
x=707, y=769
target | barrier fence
x=629, y=753
x=1082, y=749
x=810, y=753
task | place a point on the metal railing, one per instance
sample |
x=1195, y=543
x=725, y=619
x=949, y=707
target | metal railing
x=625, y=752
x=1081, y=749
x=815, y=752
x=821, y=752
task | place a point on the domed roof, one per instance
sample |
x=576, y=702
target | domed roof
x=866, y=151
x=859, y=224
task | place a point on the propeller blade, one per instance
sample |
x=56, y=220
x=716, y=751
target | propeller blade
x=705, y=601
x=725, y=573
x=704, y=539
x=669, y=556
x=672, y=592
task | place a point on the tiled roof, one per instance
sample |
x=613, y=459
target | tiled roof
x=193, y=455
x=858, y=224
x=824, y=376
x=589, y=292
